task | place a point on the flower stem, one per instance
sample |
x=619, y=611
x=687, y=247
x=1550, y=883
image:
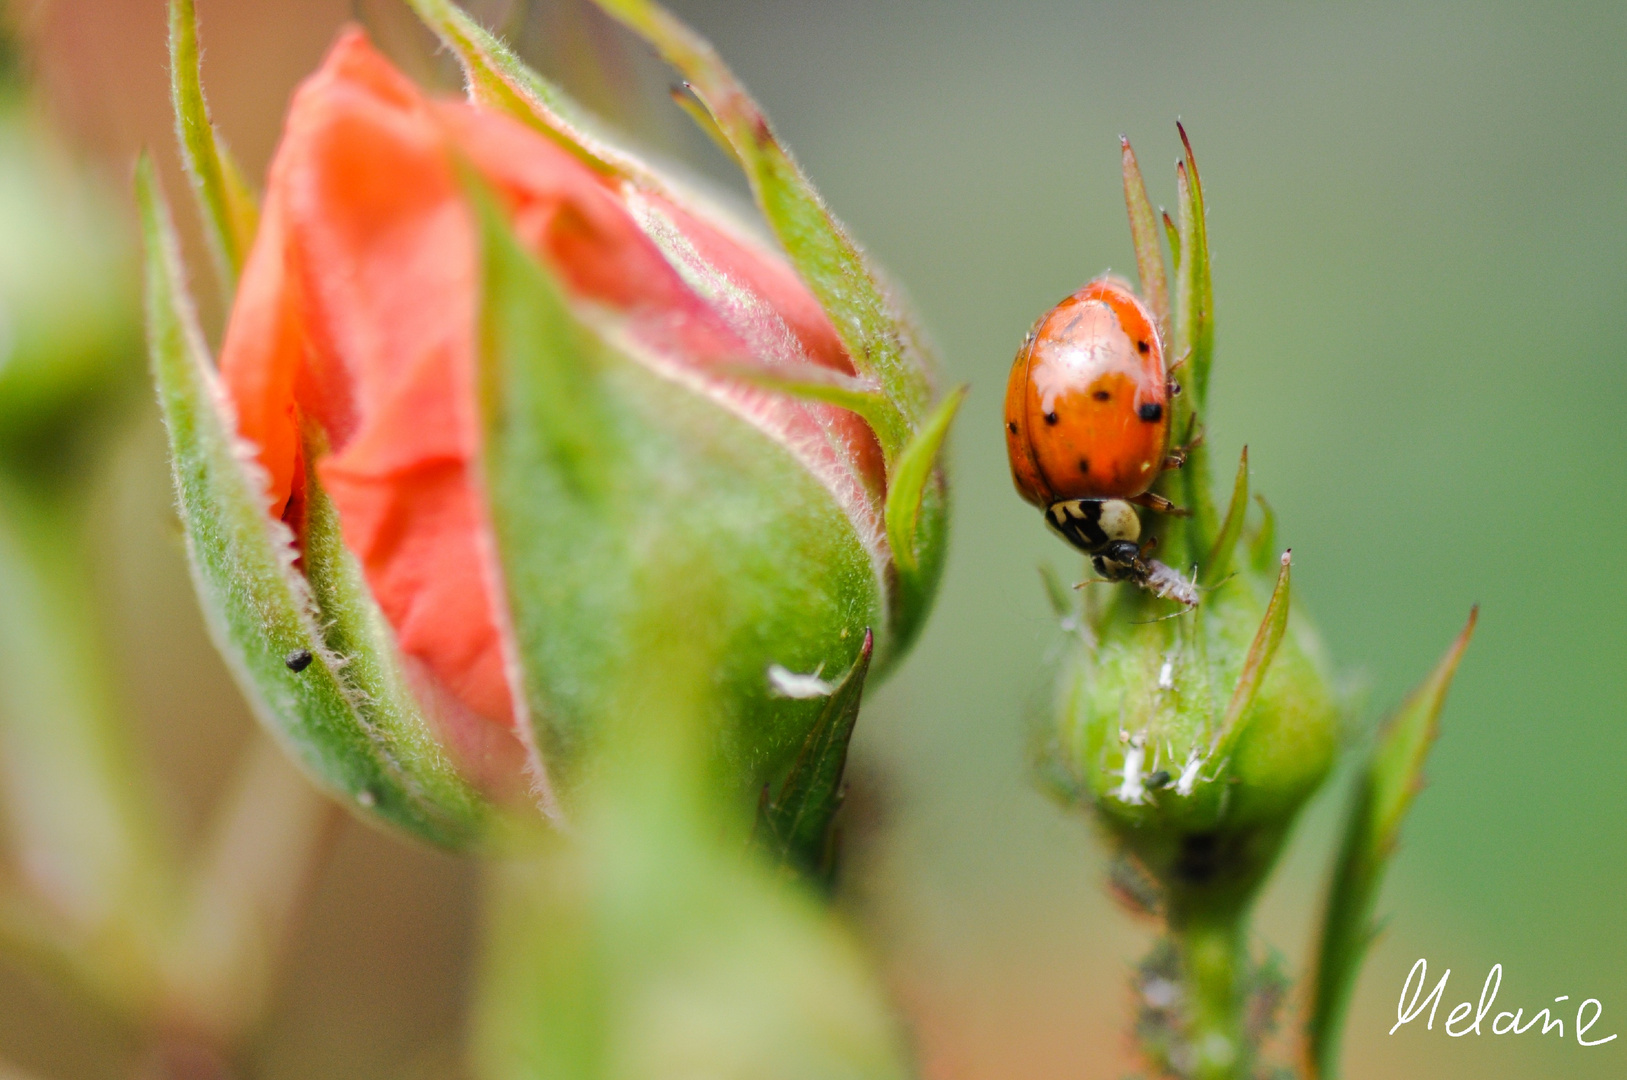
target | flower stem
x=1214, y=958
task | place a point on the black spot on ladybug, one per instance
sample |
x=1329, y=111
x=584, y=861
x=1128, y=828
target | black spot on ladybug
x=1151, y=412
x=1051, y=418
x=1011, y=426
x=1102, y=395
x=298, y=660
x=1084, y=465
x=1143, y=348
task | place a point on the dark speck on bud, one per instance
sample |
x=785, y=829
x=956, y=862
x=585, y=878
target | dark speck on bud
x=298, y=660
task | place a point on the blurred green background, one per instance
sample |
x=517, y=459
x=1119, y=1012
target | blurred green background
x=1419, y=228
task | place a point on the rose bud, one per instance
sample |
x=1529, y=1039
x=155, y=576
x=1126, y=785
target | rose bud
x=1195, y=731
x=491, y=393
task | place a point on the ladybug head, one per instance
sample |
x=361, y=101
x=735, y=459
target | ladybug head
x=1120, y=560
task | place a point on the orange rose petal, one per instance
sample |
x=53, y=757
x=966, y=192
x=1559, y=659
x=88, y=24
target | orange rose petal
x=377, y=253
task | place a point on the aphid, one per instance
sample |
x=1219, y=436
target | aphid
x=1132, y=791
x=298, y=660
x=1088, y=429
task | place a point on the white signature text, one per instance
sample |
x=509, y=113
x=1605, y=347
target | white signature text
x=1458, y=1023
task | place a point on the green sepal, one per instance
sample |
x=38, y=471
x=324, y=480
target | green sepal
x=917, y=521
x=1195, y=347
x=607, y=481
x=230, y=213
x=499, y=79
x=1389, y=781
x=833, y=266
x=1173, y=234
x=1144, y=234
x=794, y=827
x=1194, y=285
x=356, y=631
x=1262, y=650
x=814, y=383
x=683, y=96
x=370, y=751
x=1219, y=562
x=909, y=480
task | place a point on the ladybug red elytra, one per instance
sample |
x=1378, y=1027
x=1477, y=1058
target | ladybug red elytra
x=1088, y=428
x=1087, y=405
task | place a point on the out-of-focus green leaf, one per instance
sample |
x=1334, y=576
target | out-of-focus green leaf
x=1388, y=783
x=72, y=323
x=259, y=608
x=657, y=944
x=230, y=214
x=1060, y=596
x=81, y=814
x=1255, y=665
x=833, y=266
x=1144, y=234
x=794, y=827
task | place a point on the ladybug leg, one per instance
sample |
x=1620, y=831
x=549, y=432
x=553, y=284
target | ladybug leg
x=1177, y=454
x=1159, y=504
x=1171, y=386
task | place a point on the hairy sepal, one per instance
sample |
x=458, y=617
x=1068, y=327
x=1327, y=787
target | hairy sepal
x=609, y=475
x=365, y=742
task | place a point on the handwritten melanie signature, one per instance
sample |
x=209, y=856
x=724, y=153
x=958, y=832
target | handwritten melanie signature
x=1457, y=1024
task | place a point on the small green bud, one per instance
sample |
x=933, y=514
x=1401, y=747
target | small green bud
x=1195, y=721
x=1199, y=738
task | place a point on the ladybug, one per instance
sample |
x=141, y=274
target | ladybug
x=1088, y=428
